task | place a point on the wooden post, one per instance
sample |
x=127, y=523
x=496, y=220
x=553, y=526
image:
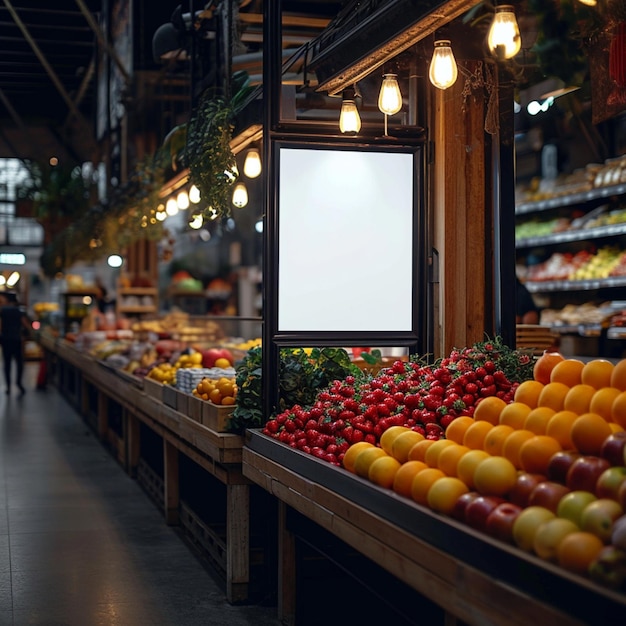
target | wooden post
x=237, y=542
x=463, y=230
x=286, y=569
x=171, y=483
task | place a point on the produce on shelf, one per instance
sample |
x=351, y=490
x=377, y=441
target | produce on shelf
x=545, y=471
x=608, y=261
x=577, y=314
x=423, y=397
x=222, y=391
x=302, y=375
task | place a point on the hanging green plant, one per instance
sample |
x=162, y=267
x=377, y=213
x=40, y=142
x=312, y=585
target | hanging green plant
x=212, y=165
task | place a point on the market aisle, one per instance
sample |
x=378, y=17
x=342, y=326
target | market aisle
x=80, y=542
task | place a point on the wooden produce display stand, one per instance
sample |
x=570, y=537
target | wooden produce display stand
x=116, y=405
x=473, y=578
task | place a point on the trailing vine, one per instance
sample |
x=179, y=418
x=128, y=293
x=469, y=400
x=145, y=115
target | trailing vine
x=212, y=165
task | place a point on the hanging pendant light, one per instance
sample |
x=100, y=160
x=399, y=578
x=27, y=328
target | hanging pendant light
x=252, y=163
x=194, y=194
x=349, y=118
x=390, y=97
x=443, y=71
x=240, y=195
x=171, y=207
x=504, y=38
x=182, y=200
x=589, y=3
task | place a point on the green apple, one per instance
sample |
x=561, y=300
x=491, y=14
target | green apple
x=599, y=516
x=572, y=504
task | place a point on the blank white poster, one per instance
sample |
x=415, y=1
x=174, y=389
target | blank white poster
x=345, y=224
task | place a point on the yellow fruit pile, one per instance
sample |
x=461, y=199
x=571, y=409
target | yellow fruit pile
x=569, y=405
x=221, y=391
x=163, y=373
x=193, y=359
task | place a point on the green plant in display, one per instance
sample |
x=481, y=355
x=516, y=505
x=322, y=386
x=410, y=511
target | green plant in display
x=212, y=165
x=302, y=375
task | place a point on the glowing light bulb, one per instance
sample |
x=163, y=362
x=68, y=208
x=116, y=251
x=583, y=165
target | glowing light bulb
x=171, y=207
x=240, y=195
x=389, y=97
x=349, y=118
x=252, y=163
x=504, y=38
x=443, y=71
x=182, y=200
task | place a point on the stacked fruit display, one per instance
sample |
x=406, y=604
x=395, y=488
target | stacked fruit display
x=545, y=472
x=425, y=398
x=583, y=265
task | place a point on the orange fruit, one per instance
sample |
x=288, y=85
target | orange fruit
x=560, y=426
x=418, y=451
x=365, y=458
x=602, y=401
x=495, y=476
x=618, y=375
x=578, y=398
x=403, y=443
x=222, y=363
x=422, y=482
x=589, y=432
x=544, y=365
x=537, y=420
x=352, y=452
x=215, y=396
x=514, y=413
x=383, y=471
x=528, y=392
x=475, y=435
x=618, y=410
x=457, y=427
x=553, y=395
x=597, y=373
x=494, y=439
x=535, y=454
x=444, y=493
x=403, y=479
x=432, y=454
x=489, y=409
x=513, y=443
x=388, y=437
x=577, y=551
x=567, y=372
x=449, y=458
x=467, y=465
x=615, y=427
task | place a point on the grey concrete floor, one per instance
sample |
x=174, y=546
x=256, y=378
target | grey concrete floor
x=81, y=544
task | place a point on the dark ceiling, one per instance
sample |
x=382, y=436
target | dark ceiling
x=49, y=65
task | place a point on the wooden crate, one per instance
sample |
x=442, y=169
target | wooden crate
x=170, y=396
x=194, y=408
x=215, y=416
x=534, y=337
x=153, y=388
x=182, y=402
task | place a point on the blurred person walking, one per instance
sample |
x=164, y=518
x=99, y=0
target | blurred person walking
x=14, y=325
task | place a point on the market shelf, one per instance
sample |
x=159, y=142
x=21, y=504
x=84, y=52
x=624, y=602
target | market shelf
x=570, y=199
x=546, y=286
x=567, y=236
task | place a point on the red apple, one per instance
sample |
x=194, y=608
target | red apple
x=460, y=506
x=613, y=448
x=609, y=482
x=212, y=354
x=499, y=523
x=547, y=494
x=599, y=516
x=478, y=510
x=584, y=473
x=559, y=465
x=523, y=487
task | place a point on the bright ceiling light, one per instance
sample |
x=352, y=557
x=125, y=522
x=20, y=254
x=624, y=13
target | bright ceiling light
x=252, y=163
x=504, y=38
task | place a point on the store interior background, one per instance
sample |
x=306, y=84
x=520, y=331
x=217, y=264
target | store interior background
x=231, y=249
